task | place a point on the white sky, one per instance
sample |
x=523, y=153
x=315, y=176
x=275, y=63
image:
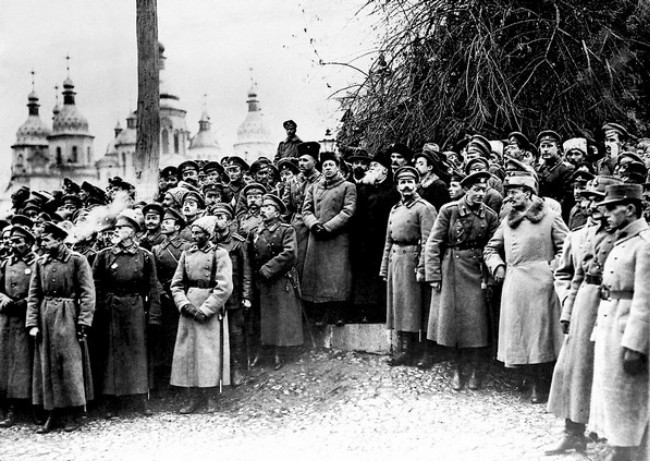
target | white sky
x=210, y=46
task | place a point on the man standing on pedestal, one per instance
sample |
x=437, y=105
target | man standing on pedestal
x=289, y=147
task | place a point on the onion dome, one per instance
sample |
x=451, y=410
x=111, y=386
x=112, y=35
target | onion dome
x=253, y=128
x=69, y=120
x=33, y=131
x=204, y=138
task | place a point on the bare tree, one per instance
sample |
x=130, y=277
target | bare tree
x=147, y=153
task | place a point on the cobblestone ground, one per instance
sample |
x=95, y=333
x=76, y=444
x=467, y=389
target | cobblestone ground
x=324, y=405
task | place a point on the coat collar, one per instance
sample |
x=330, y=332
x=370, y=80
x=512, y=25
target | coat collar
x=411, y=203
x=119, y=249
x=270, y=227
x=204, y=249
x=62, y=255
x=28, y=258
x=464, y=208
x=631, y=230
x=534, y=213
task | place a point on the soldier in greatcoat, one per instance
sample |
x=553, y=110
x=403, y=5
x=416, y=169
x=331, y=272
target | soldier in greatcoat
x=294, y=196
x=619, y=401
x=249, y=217
x=531, y=237
x=327, y=274
x=16, y=352
x=402, y=265
x=201, y=287
x=459, y=316
x=240, y=301
x=60, y=308
x=153, y=214
x=273, y=256
x=577, y=282
x=128, y=311
x=166, y=255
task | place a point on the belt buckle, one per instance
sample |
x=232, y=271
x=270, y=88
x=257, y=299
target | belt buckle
x=605, y=293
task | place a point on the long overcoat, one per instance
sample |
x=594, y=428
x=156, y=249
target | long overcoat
x=129, y=301
x=61, y=296
x=16, y=352
x=368, y=229
x=203, y=278
x=458, y=315
x=327, y=274
x=272, y=249
x=293, y=198
x=585, y=251
x=402, y=265
x=619, y=401
x=526, y=244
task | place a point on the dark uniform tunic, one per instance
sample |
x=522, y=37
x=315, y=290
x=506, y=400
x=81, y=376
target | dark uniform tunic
x=273, y=256
x=15, y=348
x=408, y=228
x=454, y=257
x=61, y=296
x=148, y=241
x=129, y=300
x=287, y=149
x=555, y=182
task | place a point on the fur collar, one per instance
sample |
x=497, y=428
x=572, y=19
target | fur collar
x=534, y=213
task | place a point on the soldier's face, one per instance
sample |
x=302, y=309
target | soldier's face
x=152, y=221
x=476, y=193
x=223, y=222
x=291, y=131
x=122, y=234
x=306, y=163
x=190, y=175
x=262, y=176
x=456, y=191
x=269, y=212
x=190, y=208
x=254, y=200
x=612, y=142
x=168, y=200
x=286, y=175
x=406, y=187
x=169, y=226
x=422, y=166
x=575, y=157
x=234, y=173
x=396, y=161
x=19, y=245
x=618, y=215
x=518, y=196
x=199, y=236
x=330, y=168
x=548, y=149
x=593, y=209
x=49, y=243
x=212, y=197
x=213, y=176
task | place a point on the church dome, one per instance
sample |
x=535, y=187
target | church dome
x=69, y=120
x=253, y=129
x=33, y=131
x=204, y=138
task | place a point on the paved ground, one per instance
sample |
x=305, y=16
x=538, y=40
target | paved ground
x=325, y=405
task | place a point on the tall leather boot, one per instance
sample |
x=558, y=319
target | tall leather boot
x=427, y=360
x=73, y=420
x=457, y=377
x=403, y=357
x=237, y=359
x=144, y=406
x=540, y=383
x=278, y=359
x=50, y=423
x=211, y=395
x=574, y=439
x=8, y=419
x=195, y=399
x=474, y=381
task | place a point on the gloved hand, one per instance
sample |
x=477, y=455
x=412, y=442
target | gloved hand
x=264, y=272
x=565, y=326
x=319, y=231
x=81, y=332
x=200, y=317
x=188, y=310
x=634, y=362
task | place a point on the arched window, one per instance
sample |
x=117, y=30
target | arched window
x=59, y=156
x=88, y=154
x=165, y=141
x=74, y=157
x=177, y=143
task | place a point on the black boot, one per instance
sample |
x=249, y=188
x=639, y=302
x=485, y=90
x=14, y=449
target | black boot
x=474, y=381
x=237, y=359
x=50, y=424
x=195, y=400
x=211, y=397
x=144, y=407
x=621, y=454
x=427, y=360
x=457, y=378
x=539, y=385
x=278, y=360
x=9, y=418
x=74, y=420
x=574, y=439
x=404, y=356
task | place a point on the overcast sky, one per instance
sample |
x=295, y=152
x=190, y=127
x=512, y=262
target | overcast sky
x=210, y=47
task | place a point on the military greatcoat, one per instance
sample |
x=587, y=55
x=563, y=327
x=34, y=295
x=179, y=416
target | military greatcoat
x=273, y=252
x=619, y=401
x=454, y=256
x=529, y=325
x=15, y=348
x=128, y=302
x=327, y=275
x=61, y=296
x=203, y=278
x=402, y=265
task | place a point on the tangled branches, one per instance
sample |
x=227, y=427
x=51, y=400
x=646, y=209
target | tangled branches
x=450, y=67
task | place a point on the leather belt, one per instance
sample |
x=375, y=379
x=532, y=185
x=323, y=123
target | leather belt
x=198, y=284
x=607, y=294
x=594, y=279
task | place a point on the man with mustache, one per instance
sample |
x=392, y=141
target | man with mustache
x=400, y=155
x=616, y=135
x=402, y=265
x=360, y=161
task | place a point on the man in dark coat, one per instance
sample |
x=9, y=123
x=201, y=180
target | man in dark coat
x=431, y=187
x=289, y=147
x=60, y=308
x=166, y=255
x=152, y=235
x=15, y=349
x=376, y=195
x=127, y=287
x=554, y=174
x=242, y=294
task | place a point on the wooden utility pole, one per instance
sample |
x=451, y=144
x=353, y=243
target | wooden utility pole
x=147, y=145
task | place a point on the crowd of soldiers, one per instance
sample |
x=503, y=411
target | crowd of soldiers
x=538, y=249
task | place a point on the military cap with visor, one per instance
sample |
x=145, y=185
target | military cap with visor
x=274, y=200
x=619, y=193
x=478, y=177
x=406, y=172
